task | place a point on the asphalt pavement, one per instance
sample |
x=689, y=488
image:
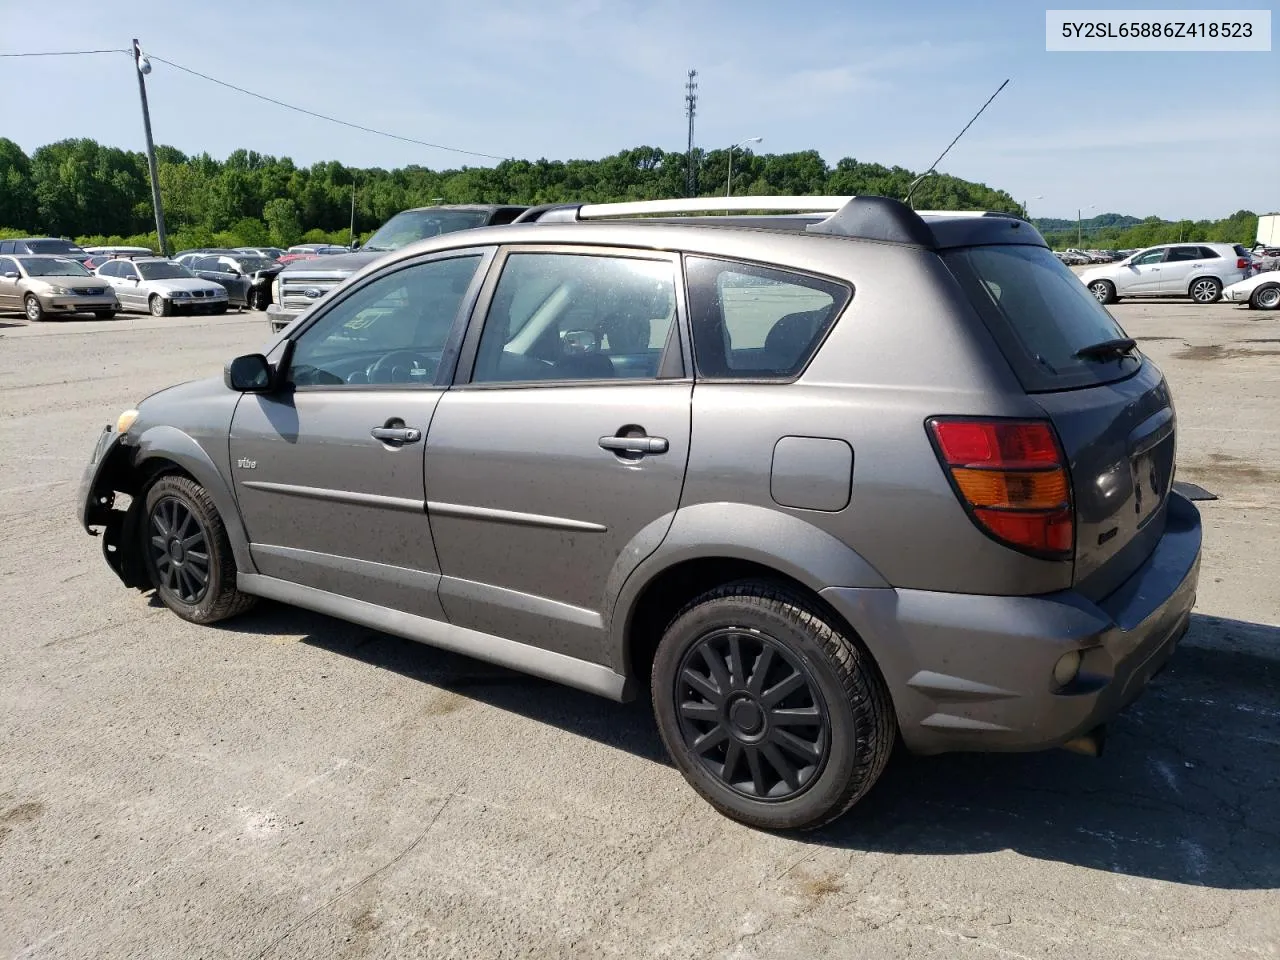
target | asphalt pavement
x=287, y=785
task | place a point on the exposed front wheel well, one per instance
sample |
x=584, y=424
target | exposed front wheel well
x=668, y=593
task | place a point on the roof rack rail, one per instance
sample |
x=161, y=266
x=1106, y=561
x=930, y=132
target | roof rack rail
x=866, y=218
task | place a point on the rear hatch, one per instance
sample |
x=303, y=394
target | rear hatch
x=1109, y=405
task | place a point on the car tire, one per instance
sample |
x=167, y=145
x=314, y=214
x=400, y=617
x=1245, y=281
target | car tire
x=196, y=578
x=1266, y=297
x=1205, y=290
x=1104, y=291
x=159, y=306
x=31, y=307
x=751, y=678
x=105, y=314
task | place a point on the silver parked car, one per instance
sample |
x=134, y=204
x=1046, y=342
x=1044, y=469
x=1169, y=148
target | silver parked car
x=812, y=481
x=41, y=285
x=162, y=287
x=1196, y=270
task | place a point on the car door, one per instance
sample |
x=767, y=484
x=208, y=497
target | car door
x=555, y=463
x=9, y=297
x=1141, y=275
x=328, y=470
x=1175, y=272
x=213, y=269
x=111, y=272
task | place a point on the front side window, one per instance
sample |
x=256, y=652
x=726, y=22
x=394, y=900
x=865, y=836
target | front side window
x=1180, y=254
x=557, y=316
x=1151, y=256
x=757, y=323
x=392, y=330
x=7, y=266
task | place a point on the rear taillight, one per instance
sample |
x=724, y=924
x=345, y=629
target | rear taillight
x=1012, y=478
x=1243, y=263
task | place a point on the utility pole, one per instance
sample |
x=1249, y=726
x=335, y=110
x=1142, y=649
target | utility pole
x=143, y=67
x=352, y=239
x=1079, y=230
x=691, y=110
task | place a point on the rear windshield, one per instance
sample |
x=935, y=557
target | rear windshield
x=1041, y=315
x=53, y=246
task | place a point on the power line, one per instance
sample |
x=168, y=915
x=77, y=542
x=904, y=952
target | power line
x=61, y=53
x=321, y=116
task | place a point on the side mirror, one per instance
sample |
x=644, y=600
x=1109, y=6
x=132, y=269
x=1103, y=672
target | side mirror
x=250, y=373
x=11, y=275
x=355, y=245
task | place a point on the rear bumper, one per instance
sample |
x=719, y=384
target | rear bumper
x=976, y=673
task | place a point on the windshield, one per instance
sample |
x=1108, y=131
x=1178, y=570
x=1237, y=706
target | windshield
x=53, y=246
x=250, y=264
x=53, y=267
x=1041, y=315
x=163, y=271
x=413, y=225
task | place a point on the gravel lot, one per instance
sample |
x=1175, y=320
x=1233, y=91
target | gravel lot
x=291, y=786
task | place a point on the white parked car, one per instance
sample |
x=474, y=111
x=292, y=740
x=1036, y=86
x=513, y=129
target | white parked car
x=1261, y=292
x=1196, y=270
x=162, y=287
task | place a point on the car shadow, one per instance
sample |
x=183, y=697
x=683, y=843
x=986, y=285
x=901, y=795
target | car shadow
x=1187, y=791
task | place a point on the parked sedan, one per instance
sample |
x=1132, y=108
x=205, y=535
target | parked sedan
x=41, y=285
x=247, y=278
x=162, y=287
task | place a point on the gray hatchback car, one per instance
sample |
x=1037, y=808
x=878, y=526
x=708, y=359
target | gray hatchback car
x=817, y=481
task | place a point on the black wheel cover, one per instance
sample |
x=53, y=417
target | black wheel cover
x=751, y=715
x=179, y=550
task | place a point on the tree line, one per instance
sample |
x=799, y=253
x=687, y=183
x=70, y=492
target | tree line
x=100, y=194
x=1110, y=232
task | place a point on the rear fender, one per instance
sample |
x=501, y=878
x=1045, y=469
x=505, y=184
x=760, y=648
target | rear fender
x=737, y=531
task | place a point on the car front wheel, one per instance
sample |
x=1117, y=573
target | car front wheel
x=1206, y=290
x=159, y=306
x=1266, y=297
x=188, y=556
x=771, y=711
x=32, y=308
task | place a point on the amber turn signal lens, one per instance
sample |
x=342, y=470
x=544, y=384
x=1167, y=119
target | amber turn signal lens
x=1022, y=489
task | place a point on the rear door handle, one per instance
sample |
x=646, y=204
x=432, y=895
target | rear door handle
x=635, y=444
x=396, y=434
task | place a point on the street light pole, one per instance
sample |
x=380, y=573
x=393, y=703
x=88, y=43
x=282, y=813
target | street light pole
x=143, y=66
x=728, y=189
x=1080, y=226
x=1026, y=214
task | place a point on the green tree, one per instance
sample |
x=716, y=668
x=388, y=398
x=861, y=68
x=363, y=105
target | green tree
x=283, y=221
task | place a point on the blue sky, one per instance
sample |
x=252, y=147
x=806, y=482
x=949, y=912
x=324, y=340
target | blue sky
x=1169, y=134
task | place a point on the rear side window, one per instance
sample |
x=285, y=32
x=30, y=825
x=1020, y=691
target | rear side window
x=757, y=323
x=1041, y=315
x=1208, y=253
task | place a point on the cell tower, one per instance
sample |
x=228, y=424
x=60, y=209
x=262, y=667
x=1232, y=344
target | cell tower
x=691, y=110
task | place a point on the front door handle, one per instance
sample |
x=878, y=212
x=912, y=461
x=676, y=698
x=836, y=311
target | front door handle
x=396, y=434
x=635, y=444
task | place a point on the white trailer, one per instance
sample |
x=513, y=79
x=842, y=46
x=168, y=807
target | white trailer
x=1269, y=230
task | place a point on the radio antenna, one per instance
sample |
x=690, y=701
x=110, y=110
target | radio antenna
x=933, y=166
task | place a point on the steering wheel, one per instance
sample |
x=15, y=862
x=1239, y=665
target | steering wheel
x=383, y=369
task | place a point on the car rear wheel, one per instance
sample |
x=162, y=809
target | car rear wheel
x=1104, y=291
x=31, y=306
x=1206, y=290
x=188, y=555
x=159, y=306
x=775, y=716
x=1266, y=297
